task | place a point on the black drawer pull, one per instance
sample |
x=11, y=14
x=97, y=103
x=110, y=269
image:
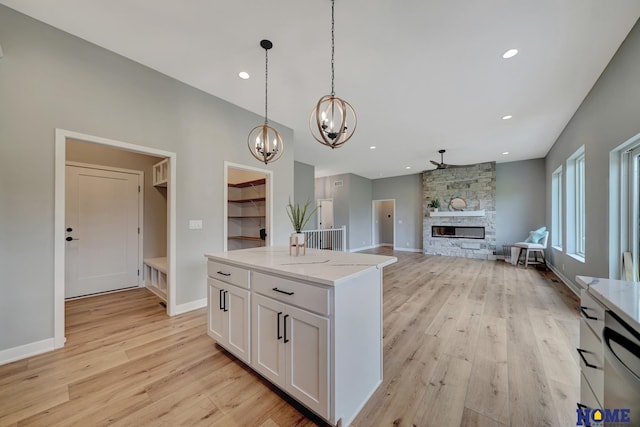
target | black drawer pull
x=224, y=299
x=282, y=292
x=584, y=313
x=279, y=314
x=581, y=353
x=224, y=274
x=221, y=303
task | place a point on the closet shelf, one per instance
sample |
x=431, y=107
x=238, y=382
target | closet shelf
x=253, y=199
x=253, y=239
x=248, y=183
x=245, y=216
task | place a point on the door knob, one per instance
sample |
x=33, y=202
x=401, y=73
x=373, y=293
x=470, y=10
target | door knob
x=68, y=239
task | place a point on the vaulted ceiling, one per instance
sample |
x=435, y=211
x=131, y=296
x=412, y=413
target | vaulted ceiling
x=422, y=74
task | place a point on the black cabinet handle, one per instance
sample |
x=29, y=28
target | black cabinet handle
x=279, y=314
x=282, y=292
x=285, y=328
x=581, y=353
x=224, y=300
x=224, y=274
x=221, y=302
x=584, y=313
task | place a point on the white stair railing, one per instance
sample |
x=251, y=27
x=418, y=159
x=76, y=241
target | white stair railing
x=334, y=239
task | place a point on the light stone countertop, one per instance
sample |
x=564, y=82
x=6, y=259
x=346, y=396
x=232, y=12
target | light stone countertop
x=620, y=296
x=320, y=266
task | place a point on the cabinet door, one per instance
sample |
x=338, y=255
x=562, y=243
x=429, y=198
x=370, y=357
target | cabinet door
x=215, y=322
x=237, y=305
x=267, y=335
x=307, y=359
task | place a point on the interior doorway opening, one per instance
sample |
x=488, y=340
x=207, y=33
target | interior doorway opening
x=383, y=223
x=65, y=139
x=247, y=207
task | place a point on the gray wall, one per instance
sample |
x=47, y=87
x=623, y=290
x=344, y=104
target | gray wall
x=304, y=189
x=407, y=191
x=50, y=79
x=520, y=200
x=607, y=118
x=351, y=206
x=360, y=213
x=155, y=198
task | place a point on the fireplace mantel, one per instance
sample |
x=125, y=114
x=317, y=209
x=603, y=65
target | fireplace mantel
x=458, y=213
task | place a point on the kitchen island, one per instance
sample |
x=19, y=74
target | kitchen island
x=311, y=325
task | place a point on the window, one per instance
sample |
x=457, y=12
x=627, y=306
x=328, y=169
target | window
x=576, y=214
x=633, y=207
x=556, y=208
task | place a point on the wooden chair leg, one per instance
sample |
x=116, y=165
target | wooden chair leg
x=520, y=250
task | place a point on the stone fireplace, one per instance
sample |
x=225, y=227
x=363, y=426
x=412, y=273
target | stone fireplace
x=469, y=233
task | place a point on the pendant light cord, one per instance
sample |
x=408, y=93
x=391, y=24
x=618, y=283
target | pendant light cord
x=332, y=47
x=266, y=83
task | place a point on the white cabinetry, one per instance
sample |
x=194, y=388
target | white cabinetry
x=316, y=323
x=161, y=173
x=229, y=312
x=591, y=352
x=291, y=349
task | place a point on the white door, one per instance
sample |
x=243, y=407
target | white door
x=325, y=218
x=268, y=339
x=101, y=231
x=306, y=337
x=237, y=306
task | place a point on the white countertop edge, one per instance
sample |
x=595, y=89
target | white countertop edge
x=305, y=277
x=604, y=289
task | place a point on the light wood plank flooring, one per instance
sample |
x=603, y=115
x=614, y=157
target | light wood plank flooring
x=466, y=343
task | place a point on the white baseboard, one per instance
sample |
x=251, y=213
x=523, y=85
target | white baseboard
x=364, y=248
x=408, y=250
x=574, y=287
x=190, y=306
x=22, y=352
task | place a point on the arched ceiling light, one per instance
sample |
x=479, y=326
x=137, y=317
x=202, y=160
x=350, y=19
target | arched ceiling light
x=264, y=141
x=328, y=121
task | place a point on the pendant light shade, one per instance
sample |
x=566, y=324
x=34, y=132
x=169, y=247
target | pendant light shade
x=264, y=142
x=333, y=121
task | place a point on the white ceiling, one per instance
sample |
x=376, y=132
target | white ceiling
x=422, y=74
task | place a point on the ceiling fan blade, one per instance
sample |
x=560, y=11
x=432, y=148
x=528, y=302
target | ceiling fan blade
x=435, y=163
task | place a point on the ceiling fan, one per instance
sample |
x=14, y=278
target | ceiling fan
x=442, y=164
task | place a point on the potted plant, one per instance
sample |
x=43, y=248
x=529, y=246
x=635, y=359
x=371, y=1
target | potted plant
x=435, y=203
x=299, y=216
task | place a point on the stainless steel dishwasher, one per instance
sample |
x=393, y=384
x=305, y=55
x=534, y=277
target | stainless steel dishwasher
x=621, y=367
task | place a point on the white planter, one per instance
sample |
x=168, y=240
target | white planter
x=435, y=209
x=297, y=239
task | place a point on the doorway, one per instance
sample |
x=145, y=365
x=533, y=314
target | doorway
x=62, y=139
x=384, y=213
x=247, y=207
x=325, y=214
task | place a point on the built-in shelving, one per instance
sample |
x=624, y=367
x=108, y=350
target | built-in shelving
x=161, y=173
x=246, y=213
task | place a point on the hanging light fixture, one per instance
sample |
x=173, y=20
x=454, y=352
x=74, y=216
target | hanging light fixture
x=264, y=141
x=328, y=121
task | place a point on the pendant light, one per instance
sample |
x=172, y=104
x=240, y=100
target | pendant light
x=328, y=121
x=264, y=141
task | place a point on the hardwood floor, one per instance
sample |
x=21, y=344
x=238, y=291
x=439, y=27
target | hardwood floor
x=466, y=343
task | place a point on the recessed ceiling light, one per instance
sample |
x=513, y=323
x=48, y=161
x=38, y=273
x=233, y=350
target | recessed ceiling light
x=243, y=75
x=373, y=147
x=507, y=117
x=505, y=153
x=510, y=53
x=407, y=167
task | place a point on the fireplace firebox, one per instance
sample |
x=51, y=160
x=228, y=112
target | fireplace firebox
x=457, y=232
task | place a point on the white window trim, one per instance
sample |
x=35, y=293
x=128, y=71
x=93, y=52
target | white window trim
x=572, y=211
x=557, y=218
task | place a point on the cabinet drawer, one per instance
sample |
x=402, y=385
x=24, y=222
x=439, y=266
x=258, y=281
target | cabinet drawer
x=592, y=312
x=227, y=273
x=592, y=352
x=305, y=296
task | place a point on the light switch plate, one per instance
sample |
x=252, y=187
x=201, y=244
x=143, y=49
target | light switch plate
x=195, y=224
